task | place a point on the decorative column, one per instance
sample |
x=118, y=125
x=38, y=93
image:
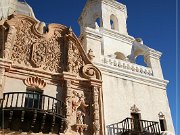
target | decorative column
x=2, y=37
x=69, y=92
x=152, y=58
x=96, y=123
x=2, y=71
x=9, y=42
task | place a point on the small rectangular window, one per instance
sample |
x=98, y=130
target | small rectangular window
x=162, y=124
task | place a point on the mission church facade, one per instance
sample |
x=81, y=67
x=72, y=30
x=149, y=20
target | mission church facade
x=52, y=82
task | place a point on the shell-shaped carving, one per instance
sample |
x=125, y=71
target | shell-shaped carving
x=35, y=82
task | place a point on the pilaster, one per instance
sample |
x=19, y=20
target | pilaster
x=152, y=58
x=2, y=72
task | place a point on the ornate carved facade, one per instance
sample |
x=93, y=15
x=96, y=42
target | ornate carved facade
x=50, y=59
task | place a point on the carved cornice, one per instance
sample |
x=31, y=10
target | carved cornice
x=151, y=53
x=116, y=35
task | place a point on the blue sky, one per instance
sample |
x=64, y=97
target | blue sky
x=152, y=20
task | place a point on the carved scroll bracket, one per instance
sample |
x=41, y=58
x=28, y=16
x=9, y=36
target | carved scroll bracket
x=2, y=71
x=91, y=72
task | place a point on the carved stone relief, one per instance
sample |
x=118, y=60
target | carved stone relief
x=96, y=123
x=33, y=51
x=9, y=42
x=75, y=61
x=91, y=55
x=134, y=109
x=79, y=108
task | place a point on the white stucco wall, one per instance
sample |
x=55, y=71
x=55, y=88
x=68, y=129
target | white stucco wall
x=121, y=94
x=112, y=46
x=17, y=85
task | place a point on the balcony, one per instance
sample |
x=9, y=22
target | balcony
x=32, y=112
x=131, y=126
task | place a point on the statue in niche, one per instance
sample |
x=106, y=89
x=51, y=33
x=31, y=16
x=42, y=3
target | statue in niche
x=78, y=101
x=79, y=107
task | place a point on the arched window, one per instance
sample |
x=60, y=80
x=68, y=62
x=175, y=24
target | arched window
x=114, y=22
x=98, y=22
x=140, y=60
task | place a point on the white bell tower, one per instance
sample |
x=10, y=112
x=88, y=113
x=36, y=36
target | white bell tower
x=103, y=28
x=108, y=14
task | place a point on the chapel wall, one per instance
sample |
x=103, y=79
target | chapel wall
x=120, y=94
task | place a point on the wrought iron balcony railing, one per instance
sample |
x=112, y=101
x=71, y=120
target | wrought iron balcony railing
x=33, y=101
x=135, y=127
x=32, y=112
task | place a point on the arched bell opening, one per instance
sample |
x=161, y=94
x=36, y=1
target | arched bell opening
x=114, y=23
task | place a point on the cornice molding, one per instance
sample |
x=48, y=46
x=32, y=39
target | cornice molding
x=97, y=34
x=132, y=76
x=116, y=35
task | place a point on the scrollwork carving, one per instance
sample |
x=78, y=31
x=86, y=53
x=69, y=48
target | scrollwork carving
x=89, y=71
x=42, y=52
x=96, y=123
x=75, y=61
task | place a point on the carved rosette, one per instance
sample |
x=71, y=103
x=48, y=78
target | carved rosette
x=96, y=123
x=35, y=82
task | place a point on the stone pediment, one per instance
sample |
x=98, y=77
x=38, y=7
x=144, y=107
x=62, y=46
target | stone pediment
x=55, y=49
